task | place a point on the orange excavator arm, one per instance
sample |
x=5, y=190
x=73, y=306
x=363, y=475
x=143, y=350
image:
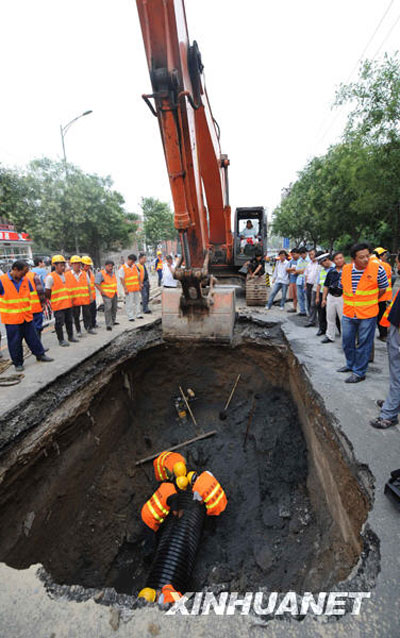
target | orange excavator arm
x=198, y=172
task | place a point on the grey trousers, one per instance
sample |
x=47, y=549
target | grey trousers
x=132, y=304
x=110, y=309
x=391, y=407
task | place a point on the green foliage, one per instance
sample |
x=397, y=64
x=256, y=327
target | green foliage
x=158, y=221
x=66, y=213
x=353, y=191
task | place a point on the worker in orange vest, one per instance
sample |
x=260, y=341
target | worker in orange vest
x=363, y=282
x=130, y=277
x=390, y=408
x=38, y=301
x=169, y=464
x=381, y=254
x=166, y=595
x=79, y=290
x=106, y=283
x=61, y=304
x=158, y=264
x=207, y=489
x=157, y=508
x=16, y=314
x=87, y=267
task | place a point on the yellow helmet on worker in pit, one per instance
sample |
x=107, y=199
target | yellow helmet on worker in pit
x=159, y=252
x=179, y=468
x=87, y=260
x=58, y=259
x=148, y=594
x=75, y=259
x=182, y=482
x=192, y=476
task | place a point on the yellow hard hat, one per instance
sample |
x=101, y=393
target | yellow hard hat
x=192, y=477
x=182, y=482
x=159, y=252
x=58, y=259
x=380, y=250
x=148, y=594
x=87, y=260
x=179, y=468
x=75, y=259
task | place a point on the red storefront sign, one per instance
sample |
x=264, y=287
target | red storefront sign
x=11, y=235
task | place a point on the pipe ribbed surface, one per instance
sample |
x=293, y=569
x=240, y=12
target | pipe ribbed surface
x=177, y=548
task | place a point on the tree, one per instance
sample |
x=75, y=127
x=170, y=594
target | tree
x=374, y=122
x=52, y=209
x=158, y=221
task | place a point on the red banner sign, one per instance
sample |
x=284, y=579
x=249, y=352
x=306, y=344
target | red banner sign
x=11, y=235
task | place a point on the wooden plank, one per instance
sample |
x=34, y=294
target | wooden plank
x=177, y=447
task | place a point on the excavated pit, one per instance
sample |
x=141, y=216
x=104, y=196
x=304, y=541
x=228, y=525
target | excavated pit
x=71, y=494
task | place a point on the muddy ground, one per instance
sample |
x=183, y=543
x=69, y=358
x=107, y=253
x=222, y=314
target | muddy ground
x=81, y=504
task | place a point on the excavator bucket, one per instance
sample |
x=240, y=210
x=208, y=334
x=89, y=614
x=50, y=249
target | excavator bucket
x=214, y=323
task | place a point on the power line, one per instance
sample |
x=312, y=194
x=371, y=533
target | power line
x=387, y=36
x=335, y=117
x=369, y=41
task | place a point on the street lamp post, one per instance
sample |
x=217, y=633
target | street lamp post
x=64, y=130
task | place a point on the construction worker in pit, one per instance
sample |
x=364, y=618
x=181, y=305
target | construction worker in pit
x=165, y=596
x=156, y=509
x=169, y=464
x=207, y=489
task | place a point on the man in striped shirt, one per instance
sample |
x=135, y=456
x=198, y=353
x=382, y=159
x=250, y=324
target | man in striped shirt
x=360, y=309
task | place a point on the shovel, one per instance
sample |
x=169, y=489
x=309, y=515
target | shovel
x=222, y=414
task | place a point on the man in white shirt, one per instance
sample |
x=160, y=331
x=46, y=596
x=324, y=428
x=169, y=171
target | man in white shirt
x=280, y=280
x=311, y=276
x=168, y=274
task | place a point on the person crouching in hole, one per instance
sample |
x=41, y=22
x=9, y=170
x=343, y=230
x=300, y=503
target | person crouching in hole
x=256, y=266
x=154, y=512
x=208, y=490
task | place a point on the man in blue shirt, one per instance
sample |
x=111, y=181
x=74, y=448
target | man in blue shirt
x=301, y=265
x=40, y=269
x=291, y=269
x=390, y=408
x=16, y=332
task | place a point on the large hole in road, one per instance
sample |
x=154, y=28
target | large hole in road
x=71, y=493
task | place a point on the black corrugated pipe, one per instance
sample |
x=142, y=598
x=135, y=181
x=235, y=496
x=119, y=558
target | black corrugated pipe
x=177, y=548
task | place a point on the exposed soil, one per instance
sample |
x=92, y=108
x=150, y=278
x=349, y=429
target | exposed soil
x=73, y=503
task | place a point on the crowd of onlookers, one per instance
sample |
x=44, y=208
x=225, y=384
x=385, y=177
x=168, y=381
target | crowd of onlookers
x=351, y=299
x=69, y=291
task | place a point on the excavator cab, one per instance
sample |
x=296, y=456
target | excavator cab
x=250, y=233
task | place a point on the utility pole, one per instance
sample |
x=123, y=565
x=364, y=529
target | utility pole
x=64, y=130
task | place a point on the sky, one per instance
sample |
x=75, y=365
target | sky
x=272, y=69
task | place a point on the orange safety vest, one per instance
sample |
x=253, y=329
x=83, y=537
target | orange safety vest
x=15, y=306
x=364, y=303
x=168, y=595
x=60, y=293
x=131, y=278
x=108, y=287
x=141, y=272
x=35, y=303
x=385, y=321
x=160, y=264
x=91, y=285
x=79, y=290
x=164, y=464
x=389, y=291
x=211, y=492
x=155, y=510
